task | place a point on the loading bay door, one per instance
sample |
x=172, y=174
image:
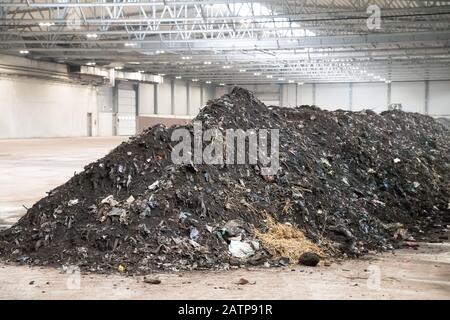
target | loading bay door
x=126, y=115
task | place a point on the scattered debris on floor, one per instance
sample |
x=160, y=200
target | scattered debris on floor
x=309, y=259
x=348, y=183
x=152, y=280
x=243, y=282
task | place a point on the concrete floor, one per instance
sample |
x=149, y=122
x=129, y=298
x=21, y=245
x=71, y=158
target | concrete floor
x=409, y=274
x=29, y=168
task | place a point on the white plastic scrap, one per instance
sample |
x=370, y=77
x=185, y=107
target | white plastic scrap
x=116, y=212
x=325, y=161
x=416, y=184
x=130, y=199
x=377, y=202
x=110, y=200
x=194, y=234
x=397, y=160
x=72, y=202
x=154, y=185
x=183, y=215
x=240, y=249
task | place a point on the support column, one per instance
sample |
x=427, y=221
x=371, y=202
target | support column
x=201, y=95
x=172, y=97
x=350, y=96
x=280, y=94
x=156, y=94
x=136, y=90
x=188, y=98
x=115, y=108
x=314, y=93
x=389, y=93
x=427, y=97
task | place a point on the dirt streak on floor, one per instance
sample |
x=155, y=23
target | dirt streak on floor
x=404, y=274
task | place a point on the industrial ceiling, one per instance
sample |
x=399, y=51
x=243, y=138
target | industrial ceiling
x=236, y=42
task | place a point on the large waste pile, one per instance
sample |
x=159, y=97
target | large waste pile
x=350, y=182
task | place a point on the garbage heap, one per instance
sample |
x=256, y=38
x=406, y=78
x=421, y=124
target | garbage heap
x=348, y=183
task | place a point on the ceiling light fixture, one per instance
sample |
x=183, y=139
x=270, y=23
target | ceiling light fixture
x=281, y=79
x=46, y=24
x=291, y=81
x=186, y=58
x=91, y=36
x=269, y=76
x=90, y=63
x=161, y=74
x=118, y=68
x=257, y=74
x=130, y=44
x=208, y=82
x=221, y=84
x=160, y=51
x=226, y=67
x=207, y=62
x=24, y=52
x=194, y=80
x=178, y=77
x=242, y=70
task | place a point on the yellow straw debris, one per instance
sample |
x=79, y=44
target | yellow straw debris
x=283, y=240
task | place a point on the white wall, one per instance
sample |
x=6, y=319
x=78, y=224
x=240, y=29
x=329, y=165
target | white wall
x=289, y=95
x=105, y=124
x=439, y=101
x=181, y=105
x=410, y=94
x=43, y=108
x=180, y=97
x=369, y=96
x=39, y=108
x=105, y=101
x=306, y=95
x=333, y=96
x=164, y=99
x=146, y=99
x=220, y=91
x=195, y=102
x=267, y=93
x=208, y=94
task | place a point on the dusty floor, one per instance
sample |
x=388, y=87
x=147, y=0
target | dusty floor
x=407, y=274
x=29, y=168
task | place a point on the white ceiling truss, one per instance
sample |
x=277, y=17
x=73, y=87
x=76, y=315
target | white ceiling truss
x=236, y=42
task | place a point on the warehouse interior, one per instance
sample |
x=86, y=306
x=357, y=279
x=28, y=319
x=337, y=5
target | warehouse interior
x=79, y=77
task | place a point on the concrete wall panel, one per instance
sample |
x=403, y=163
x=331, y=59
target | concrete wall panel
x=35, y=108
x=439, y=103
x=370, y=96
x=333, y=96
x=410, y=94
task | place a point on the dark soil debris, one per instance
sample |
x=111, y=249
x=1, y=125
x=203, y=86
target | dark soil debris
x=353, y=182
